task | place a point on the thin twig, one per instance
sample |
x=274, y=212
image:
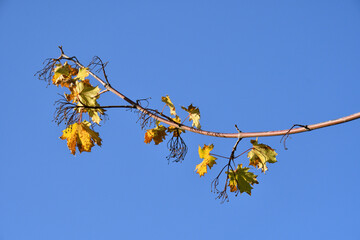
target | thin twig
x=243, y=153
x=215, y=155
x=286, y=135
x=103, y=91
x=111, y=106
x=223, y=194
x=185, y=119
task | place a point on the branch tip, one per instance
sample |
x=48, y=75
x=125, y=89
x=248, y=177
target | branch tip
x=61, y=49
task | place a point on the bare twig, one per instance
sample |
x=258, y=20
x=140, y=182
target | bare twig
x=103, y=91
x=98, y=62
x=216, y=155
x=177, y=148
x=286, y=135
x=223, y=194
x=69, y=112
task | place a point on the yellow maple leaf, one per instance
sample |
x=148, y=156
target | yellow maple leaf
x=156, y=134
x=208, y=161
x=260, y=155
x=81, y=136
x=63, y=75
x=170, y=104
x=241, y=180
x=84, y=93
x=194, y=115
x=83, y=73
x=82, y=88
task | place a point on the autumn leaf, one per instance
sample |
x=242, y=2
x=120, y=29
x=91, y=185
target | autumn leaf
x=209, y=161
x=86, y=95
x=260, y=155
x=176, y=131
x=83, y=73
x=81, y=136
x=194, y=115
x=63, y=75
x=157, y=134
x=77, y=89
x=170, y=104
x=241, y=180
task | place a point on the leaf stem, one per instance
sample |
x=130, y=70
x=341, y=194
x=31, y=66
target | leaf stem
x=185, y=119
x=216, y=155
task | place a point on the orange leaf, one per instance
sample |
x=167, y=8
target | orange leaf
x=81, y=136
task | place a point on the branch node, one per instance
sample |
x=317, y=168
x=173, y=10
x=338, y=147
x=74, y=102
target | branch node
x=237, y=142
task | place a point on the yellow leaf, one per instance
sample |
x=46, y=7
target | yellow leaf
x=157, y=134
x=241, y=180
x=260, y=155
x=83, y=73
x=194, y=115
x=86, y=95
x=170, y=104
x=208, y=161
x=63, y=75
x=81, y=136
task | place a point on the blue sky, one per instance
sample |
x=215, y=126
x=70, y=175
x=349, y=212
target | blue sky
x=263, y=65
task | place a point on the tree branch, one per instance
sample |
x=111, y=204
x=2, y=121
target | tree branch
x=210, y=133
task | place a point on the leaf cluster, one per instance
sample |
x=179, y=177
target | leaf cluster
x=81, y=101
x=176, y=144
x=239, y=178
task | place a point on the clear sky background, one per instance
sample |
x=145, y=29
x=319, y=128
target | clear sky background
x=263, y=65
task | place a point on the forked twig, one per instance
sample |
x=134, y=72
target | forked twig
x=286, y=135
